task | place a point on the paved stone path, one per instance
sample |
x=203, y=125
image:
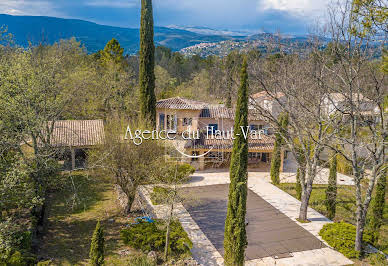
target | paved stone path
x=204, y=251
x=291, y=166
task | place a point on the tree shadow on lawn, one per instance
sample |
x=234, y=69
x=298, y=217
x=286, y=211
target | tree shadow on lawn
x=68, y=242
x=80, y=192
x=73, y=214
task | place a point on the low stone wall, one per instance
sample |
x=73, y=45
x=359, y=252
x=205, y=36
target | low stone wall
x=122, y=200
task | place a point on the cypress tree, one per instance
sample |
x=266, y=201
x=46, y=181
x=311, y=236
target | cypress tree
x=276, y=161
x=147, y=64
x=276, y=155
x=97, y=246
x=298, y=185
x=235, y=239
x=378, y=206
x=331, y=191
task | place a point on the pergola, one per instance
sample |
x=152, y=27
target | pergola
x=77, y=134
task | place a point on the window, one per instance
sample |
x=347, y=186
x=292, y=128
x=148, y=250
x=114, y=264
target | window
x=161, y=121
x=187, y=121
x=194, y=153
x=254, y=127
x=211, y=128
x=254, y=156
x=171, y=123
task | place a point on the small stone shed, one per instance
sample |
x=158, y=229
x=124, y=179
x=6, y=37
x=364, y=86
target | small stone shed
x=78, y=136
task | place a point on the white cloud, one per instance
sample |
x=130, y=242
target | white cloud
x=112, y=4
x=28, y=7
x=297, y=7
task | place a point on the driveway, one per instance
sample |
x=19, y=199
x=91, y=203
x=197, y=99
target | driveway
x=270, y=233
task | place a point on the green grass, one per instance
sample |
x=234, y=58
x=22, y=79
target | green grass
x=346, y=207
x=73, y=213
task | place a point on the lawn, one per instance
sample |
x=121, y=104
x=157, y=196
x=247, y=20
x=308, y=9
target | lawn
x=345, y=207
x=73, y=213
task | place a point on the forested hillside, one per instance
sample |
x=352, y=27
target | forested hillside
x=34, y=30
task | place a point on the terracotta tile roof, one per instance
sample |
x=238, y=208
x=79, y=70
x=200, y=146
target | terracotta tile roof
x=225, y=113
x=217, y=112
x=180, y=103
x=266, y=143
x=207, y=110
x=77, y=133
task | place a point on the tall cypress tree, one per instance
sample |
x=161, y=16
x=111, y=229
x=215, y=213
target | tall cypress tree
x=378, y=206
x=147, y=64
x=97, y=246
x=276, y=155
x=235, y=239
x=331, y=191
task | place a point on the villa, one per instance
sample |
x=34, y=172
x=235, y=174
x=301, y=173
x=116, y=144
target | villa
x=178, y=115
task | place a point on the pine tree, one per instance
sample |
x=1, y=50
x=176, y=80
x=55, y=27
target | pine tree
x=235, y=239
x=112, y=52
x=378, y=206
x=97, y=246
x=331, y=191
x=147, y=64
x=276, y=155
x=298, y=185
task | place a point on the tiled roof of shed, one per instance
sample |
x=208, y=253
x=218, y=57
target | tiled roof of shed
x=77, y=133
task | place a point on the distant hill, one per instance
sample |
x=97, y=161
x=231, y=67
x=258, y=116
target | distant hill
x=48, y=30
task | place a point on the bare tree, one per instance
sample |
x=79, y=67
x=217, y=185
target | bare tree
x=357, y=88
x=130, y=165
x=291, y=84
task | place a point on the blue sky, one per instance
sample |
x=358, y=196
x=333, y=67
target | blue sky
x=286, y=16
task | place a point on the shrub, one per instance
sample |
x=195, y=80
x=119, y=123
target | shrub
x=16, y=258
x=45, y=263
x=97, y=246
x=377, y=259
x=141, y=261
x=144, y=236
x=15, y=244
x=343, y=166
x=184, y=170
x=341, y=236
x=159, y=195
x=152, y=236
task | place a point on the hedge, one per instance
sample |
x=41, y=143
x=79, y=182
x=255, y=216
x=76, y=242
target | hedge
x=152, y=236
x=341, y=236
